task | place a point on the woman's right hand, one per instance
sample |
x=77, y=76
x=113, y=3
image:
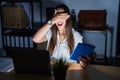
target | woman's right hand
x=59, y=17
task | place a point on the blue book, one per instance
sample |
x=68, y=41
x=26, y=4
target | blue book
x=82, y=49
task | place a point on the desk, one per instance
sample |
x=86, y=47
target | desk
x=93, y=72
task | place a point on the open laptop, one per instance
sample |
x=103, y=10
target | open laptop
x=31, y=61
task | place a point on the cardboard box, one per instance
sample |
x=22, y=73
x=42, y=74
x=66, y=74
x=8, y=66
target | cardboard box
x=14, y=18
x=92, y=19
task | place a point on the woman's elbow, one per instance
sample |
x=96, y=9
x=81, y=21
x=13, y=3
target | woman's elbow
x=35, y=40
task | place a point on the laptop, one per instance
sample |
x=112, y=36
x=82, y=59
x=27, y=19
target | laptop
x=31, y=61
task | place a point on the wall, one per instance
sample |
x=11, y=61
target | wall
x=0, y=34
x=112, y=14
x=97, y=39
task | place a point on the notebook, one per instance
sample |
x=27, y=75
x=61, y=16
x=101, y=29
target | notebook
x=83, y=50
x=31, y=61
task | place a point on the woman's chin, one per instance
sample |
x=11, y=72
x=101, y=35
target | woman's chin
x=60, y=28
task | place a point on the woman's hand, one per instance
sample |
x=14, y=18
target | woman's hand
x=59, y=17
x=84, y=61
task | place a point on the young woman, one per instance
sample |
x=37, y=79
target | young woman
x=62, y=38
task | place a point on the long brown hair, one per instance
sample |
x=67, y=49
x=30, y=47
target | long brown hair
x=68, y=32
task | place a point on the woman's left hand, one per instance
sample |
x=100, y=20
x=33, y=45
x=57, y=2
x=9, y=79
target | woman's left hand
x=84, y=61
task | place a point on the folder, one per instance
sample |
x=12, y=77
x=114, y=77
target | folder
x=82, y=49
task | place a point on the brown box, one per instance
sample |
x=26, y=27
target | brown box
x=14, y=17
x=92, y=19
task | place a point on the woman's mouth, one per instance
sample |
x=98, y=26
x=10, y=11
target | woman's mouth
x=60, y=24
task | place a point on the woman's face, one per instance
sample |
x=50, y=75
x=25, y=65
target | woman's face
x=61, y=24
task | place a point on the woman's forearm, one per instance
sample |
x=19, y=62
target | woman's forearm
x=39, y=36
